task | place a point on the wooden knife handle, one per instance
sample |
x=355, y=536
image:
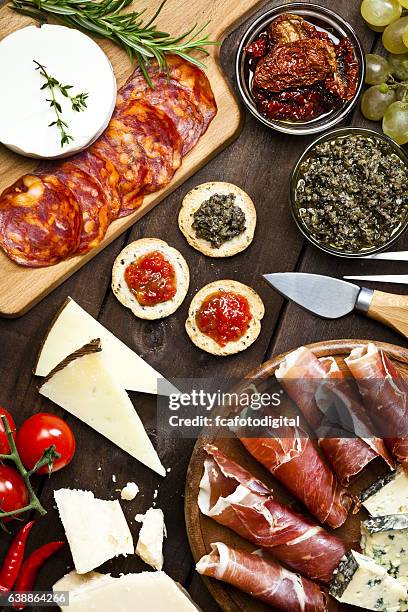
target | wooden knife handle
x=390, y=309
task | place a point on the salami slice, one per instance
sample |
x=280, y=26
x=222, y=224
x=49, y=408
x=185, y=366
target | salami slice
x=40, y=221
x=158, y=138
x=103, y=171
x=168, y=96
x=193, y=80
x=92, y=201
x=120, y=147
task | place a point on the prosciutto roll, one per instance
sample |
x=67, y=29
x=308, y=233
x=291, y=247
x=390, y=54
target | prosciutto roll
x=263, y=578
x=385, y=394
x=230, y=495
x=296, y=462
x=316, y=385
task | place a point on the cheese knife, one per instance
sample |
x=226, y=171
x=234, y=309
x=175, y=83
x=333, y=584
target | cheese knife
x=398, y=279
x=332, y=298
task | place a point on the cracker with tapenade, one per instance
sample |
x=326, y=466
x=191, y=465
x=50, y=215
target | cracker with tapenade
x=218, y=219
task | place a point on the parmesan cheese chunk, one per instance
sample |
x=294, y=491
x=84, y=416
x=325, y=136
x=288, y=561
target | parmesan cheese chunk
x=84, y=385
x=73, y=327
x=129, y=492
x=96, y=529
x=150, y=544
x=144, y=592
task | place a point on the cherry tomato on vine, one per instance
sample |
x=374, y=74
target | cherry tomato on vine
x=13, y=492
x=38, y=433
x=4, y=443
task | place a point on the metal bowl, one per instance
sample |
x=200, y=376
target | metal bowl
x=318, y=16
x=296, y=174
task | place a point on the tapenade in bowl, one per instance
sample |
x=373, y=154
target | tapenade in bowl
x=349, y=192
x=300, y=68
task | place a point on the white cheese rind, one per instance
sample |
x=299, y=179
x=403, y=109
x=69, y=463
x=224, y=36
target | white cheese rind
x=74, y=328
x=359, y=581
x=150, y=544
x=144, y=592
x=96, y=529
x=385, y=539
x=389, y=495
x=73, y=59
x=87, y=389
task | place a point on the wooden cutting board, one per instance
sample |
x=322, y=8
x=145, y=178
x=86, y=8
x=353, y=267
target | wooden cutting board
x=202, y=530
x=21, y=288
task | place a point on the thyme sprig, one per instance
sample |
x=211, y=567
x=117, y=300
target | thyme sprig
x=141, y=39
x=47, y=459
x=78, y=102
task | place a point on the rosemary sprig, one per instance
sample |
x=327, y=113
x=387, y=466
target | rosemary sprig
x=142, y=41
x=78, y=102
x=47, y=458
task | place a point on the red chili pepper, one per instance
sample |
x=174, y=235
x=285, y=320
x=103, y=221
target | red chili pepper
x=14, y=557
x=31, y=566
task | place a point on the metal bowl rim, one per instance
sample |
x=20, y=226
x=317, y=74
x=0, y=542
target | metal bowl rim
x=348, y=106
x=342, y=131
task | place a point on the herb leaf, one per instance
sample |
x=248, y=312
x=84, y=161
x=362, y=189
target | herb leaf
x=142, y=41
x=78, y=102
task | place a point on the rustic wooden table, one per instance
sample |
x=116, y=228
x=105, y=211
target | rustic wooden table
x=260, y=162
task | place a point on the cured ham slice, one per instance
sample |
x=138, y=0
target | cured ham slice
x=385, y=394
x=234, y=498
x=317, y=385
x=296, y=462
x=263, y=578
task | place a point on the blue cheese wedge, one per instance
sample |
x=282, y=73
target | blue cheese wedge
x=385, y=539
x=359, y=581
x=386, y=496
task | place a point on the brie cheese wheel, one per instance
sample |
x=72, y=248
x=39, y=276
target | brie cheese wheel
x=388, y=495
x=96, y=529
x=72, y=58
x=359, y=581
x=144, y=592
x=84, y=386
x=150, y=544
x=73, y=327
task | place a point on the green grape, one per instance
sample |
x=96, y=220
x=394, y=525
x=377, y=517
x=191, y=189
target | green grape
x=395, y=122
x=403, y=3
x=376, y=100
x=377, y=69
x=405, y=36
x=392, y=36
x=399, y=66
x=380, y=13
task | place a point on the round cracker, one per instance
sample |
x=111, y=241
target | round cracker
x=137, y=249
x=209, y=345
x=192, y=203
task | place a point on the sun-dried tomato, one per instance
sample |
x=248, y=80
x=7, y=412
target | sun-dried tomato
x=343, y=82
x=296, y=65
x=290, y=28
x=299, y=73
x=259, y=47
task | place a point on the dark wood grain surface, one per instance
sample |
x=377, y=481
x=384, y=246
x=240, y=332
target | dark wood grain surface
x=260, y=162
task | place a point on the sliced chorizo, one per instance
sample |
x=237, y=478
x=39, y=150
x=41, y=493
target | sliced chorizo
x=168, y=96
x=40, y=221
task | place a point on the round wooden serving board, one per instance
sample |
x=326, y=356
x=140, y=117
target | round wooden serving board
x=202, y=530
